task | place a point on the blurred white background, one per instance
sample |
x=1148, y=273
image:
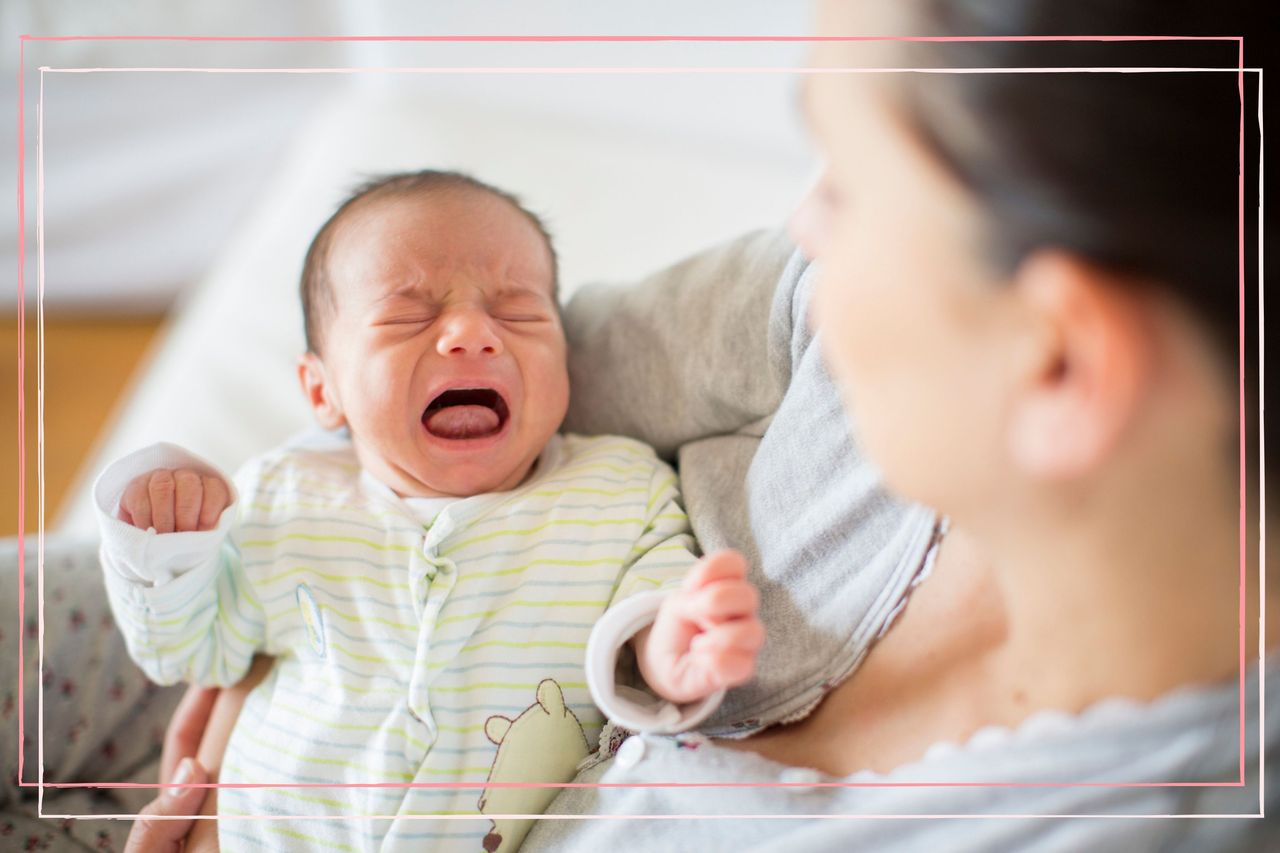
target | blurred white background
x=147, y=174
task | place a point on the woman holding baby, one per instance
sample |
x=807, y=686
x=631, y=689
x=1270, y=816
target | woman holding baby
x=1028, y=299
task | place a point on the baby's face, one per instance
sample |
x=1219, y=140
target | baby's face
x=443, y=351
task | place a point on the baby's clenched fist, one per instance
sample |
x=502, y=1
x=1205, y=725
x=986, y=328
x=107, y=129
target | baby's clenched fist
x=177, y=500
x=706, y=635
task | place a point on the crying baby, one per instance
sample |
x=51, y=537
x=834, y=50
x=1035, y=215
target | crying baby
x=429, y=568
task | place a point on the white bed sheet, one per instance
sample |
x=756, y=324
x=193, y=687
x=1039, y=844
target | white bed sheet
x=221, y=380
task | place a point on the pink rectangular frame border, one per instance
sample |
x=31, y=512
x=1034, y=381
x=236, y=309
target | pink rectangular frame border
x=21, y=195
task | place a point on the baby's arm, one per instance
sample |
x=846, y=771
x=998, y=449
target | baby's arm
x=177, y=588
x=691, y=623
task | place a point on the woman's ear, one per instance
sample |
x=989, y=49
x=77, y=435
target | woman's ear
x=1087, y=373
x=320, y=392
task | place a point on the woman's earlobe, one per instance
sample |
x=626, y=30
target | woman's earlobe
x=320, y=393
x=1076, y=406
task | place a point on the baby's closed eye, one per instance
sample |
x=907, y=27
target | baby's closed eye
x=406, y=322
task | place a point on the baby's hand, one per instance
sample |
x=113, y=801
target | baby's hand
x=706, y=635
x=178, y=500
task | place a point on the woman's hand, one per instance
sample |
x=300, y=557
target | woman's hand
x=159, y=829
x=150, y=834
x=194, y=743
x=186, y=728
x=706, y=635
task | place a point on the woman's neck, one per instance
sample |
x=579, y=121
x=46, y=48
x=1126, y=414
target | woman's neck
x=1132, y=596
x=997, y=634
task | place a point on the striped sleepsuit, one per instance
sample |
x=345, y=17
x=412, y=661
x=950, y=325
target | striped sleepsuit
x=436, y=642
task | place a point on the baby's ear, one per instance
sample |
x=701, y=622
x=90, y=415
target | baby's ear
x=320, y=392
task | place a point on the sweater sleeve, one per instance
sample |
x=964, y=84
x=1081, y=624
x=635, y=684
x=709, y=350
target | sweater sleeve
x=684, y=354
x=181, y=600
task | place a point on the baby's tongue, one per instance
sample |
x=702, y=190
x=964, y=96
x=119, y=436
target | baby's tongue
x=462, y=422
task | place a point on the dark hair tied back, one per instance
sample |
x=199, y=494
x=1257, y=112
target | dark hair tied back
x=1136, y=171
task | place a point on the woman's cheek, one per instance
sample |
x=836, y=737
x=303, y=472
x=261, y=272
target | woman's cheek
x=834, y=312
x=808, y=225
x=845, y=285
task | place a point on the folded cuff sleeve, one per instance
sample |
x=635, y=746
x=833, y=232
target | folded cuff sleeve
x=632, y=705
x=143, y=557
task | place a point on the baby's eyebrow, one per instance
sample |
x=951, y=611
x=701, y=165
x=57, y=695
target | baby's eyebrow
x=404, y=291
x=519, y=291
x=418, y=292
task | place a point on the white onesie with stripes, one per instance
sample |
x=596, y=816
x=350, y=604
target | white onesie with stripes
x=439, y=644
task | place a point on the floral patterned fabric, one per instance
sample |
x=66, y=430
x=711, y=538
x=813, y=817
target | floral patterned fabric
x=103, y=722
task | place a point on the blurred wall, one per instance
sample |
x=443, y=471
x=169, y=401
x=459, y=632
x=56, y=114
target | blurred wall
x=147, y=173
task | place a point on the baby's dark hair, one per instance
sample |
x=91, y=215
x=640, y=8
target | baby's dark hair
x=315, y=288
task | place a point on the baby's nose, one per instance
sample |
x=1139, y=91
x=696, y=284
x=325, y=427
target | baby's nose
x=469, y=333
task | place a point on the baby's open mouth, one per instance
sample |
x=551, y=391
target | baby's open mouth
x=462, y=413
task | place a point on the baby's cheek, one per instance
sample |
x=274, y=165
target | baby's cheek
x=548, y=378
x=384, y=417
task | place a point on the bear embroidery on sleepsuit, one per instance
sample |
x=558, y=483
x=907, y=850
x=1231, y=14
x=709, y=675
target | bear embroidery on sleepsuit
x=544, y=743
